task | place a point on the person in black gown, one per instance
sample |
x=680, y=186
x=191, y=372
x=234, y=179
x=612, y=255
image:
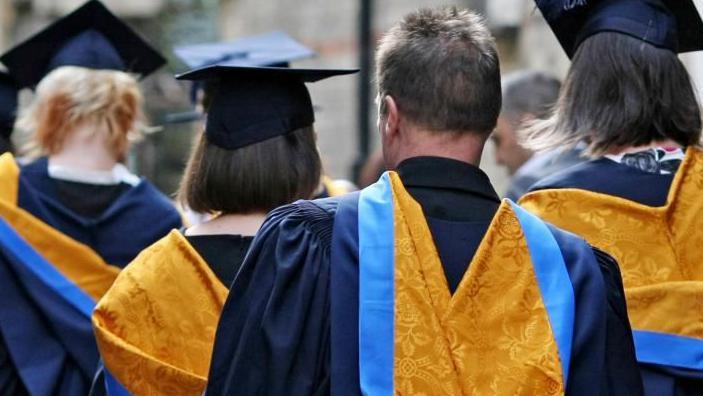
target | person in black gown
x=86, y=111
x=258, y=152
x=291, y=321
x=75, y=215
x=631, y=100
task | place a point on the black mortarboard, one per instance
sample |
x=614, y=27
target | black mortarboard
x=8, y=104
x=268, y=49
x=274, y=49
x=670, y=24
x=253, y=104
x=90, y=37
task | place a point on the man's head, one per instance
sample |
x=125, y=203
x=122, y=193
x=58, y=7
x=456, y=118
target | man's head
x=527, y=95
x=438, y=81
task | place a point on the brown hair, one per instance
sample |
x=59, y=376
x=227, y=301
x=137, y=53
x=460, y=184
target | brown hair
x=441, y=67
x=255, y=178
x=70, y=95
x=620, y=92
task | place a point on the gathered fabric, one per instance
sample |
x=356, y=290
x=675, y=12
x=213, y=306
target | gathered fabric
x=660, y=256
x=493, y=336
x=156, y=326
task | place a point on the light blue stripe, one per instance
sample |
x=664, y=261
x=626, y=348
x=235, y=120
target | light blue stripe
x=113, y=387
x=669, y=350
x=376, y=288
x=553, y=280
x=46, y=272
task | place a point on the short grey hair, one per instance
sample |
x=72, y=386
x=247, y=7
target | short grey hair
x=441, y=67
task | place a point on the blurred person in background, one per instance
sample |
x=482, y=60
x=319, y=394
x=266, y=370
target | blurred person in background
x=72, y=217
x=425, y=283
x=630, y=98
x=528, y=95
x=258, y=152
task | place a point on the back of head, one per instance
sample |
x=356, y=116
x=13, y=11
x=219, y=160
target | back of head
x=441, y=67
x=255, y=178
x=529, y=92
x=72, y=96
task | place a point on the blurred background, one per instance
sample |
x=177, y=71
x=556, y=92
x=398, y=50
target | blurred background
x=342, y=32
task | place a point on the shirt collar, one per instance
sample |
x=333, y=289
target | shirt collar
x=446, y=173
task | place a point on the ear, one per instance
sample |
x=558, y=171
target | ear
x=392, y=119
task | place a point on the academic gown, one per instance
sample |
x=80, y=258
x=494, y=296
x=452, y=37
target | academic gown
x=608, y=177
x=150, y=342
x=48, y=343
x=117, y=222
x=290, y=324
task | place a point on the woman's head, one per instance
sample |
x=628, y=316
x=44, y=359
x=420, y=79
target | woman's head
x=252, y=179
x=621, y=92
x=69, y=97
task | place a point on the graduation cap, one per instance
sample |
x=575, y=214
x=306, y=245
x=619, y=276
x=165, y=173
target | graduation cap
x=8, y=104
x=268, y=49
x=253, y=104
x=90, y=37
x=670, y=24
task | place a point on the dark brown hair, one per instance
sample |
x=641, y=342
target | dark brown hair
x=620, y=92
x=441, y=67
x=255, y=178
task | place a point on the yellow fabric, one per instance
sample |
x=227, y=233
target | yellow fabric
x=74, y=260
x=658, y=248
x=492, y=337
x=156, y=326
x=9, y=178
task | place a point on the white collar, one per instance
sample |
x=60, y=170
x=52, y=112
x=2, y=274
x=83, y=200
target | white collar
x=118, y=174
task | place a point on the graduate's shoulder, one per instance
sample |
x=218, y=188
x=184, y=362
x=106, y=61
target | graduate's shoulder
x=315, y=215
x=579, y=176
x=155, y=203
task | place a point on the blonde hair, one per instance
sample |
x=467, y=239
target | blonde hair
x=71, y=95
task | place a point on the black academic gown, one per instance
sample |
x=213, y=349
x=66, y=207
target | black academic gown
x=290, y=326
x=117, y=222
x=608, y=177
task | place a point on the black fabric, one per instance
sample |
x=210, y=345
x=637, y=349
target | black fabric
x=344, y=302
x=224, y=254
x=133, y=221
x=8, y=105
x=609, y=177
x=275, y=329
x=669, y=381
x=670, y=24
x=274, y=339
x=448, y=189
x=623, y=374
x=10, y=382
x=253, y=104
x=88, y=200
x=91, y=37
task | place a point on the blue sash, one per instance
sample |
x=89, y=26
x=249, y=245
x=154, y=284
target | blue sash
x=45, y=320
x=376, y=288
x=669, y=350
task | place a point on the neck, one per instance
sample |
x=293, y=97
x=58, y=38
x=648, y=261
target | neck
x=466, y=147
x=232, y=224
x=85, y=148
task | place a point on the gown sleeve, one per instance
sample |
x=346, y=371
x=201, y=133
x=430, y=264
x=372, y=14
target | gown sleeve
x=273, y=335
x=621, y=368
